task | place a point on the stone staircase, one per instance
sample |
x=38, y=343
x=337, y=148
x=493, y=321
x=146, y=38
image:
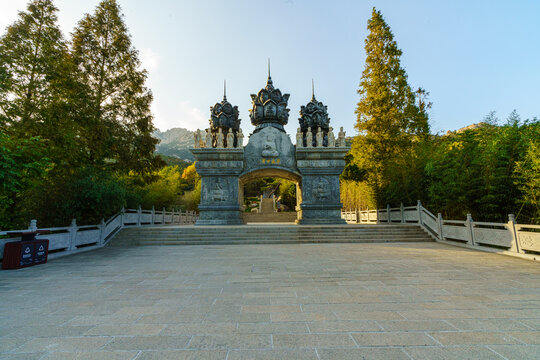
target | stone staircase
x=267, y=205
x=269, y=234
x=273, y=217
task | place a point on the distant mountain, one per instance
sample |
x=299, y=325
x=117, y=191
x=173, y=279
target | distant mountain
x=175, y=142
x=470, y=127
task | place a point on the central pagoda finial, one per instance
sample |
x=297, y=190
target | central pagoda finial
x=269, y=107
x=269, y=80
x=312, y=89
x=225, y=90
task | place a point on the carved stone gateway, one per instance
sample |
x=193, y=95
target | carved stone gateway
x=225, y=165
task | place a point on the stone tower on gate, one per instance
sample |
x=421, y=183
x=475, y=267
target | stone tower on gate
x=314, y=164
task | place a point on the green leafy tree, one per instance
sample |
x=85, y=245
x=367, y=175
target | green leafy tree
x=486, y=171
x=527, y=177
x=165, y=190
x=286, y=193
x=20, y=162
x=39, y=95
x=86, y=194
x=31, y=53
x=389, y=121
x=119, y=128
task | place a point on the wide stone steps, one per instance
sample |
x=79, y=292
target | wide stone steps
x=288, y=217
x=269, y=234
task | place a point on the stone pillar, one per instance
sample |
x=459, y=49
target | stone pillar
x=102, y=227
x=440, y=222
x=73, y=234
x=219, y=170
x=470, y=233
x=33, y=225
x=511, y=226
x=320, y=168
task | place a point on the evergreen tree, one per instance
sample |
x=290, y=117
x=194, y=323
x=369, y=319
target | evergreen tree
x=39, y=94
x=119, y=128
x=31, y=55
x=390, y=122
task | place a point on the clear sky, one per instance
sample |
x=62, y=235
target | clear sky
x=472, y=56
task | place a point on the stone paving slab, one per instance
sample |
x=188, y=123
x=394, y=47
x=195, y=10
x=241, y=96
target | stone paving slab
x=307, y=301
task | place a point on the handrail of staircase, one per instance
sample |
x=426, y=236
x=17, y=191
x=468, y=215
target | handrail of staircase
x=75, y=238
x=508, y=238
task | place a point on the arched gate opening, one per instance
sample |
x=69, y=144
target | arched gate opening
x=270, y=209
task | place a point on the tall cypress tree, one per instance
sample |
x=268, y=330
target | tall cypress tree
x=388, y=119
x=31, y=54
x=39, y=95
x=120, y=122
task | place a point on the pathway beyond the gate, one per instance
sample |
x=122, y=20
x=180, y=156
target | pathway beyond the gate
x=307, y=301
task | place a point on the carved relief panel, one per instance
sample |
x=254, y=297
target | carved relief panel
x=219, y=190
x=320, y=189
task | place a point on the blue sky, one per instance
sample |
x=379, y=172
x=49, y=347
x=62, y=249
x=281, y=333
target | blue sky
x=472, y=56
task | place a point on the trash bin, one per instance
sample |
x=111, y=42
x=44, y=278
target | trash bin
x=27, y=252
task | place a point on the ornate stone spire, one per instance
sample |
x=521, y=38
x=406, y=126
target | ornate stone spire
x=269, y=107
x=224, y=116
x=314, y=115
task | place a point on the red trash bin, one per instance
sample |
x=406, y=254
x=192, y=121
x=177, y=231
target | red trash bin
x=27, y=252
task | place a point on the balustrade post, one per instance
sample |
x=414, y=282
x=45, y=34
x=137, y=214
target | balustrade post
x=512, y=228
x=163, y=221
x=388, y=214
x=440, y=223
x=122, y=212
x=402, y=210
x=470, y=226
x=377, y=216
x=153, y=215
x=139, y=215
x=33, y=225
x=73, y=234
x=368, y=215
x=357, y=214
x=419, y=207
x=101, y=232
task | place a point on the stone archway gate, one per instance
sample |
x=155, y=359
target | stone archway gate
x=315, y=163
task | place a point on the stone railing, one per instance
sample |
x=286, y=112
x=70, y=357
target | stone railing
x=509, y=238
x=73, y=239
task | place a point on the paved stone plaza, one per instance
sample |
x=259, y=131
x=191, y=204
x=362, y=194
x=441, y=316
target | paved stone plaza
x=310, y=301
